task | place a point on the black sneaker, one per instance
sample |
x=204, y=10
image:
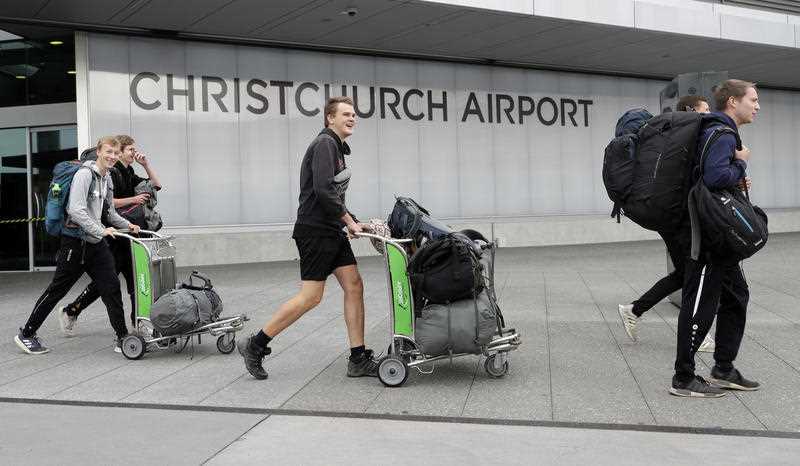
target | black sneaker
x=696, y=387
x=732, y=380
x=30, y=345
x=253, y=356
x=365, y=366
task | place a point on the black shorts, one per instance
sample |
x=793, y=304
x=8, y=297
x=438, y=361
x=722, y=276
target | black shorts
x=321, y=255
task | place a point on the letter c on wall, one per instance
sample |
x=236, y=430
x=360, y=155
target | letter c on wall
x=135, y=91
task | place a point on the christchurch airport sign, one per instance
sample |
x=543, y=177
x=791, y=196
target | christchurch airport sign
x=370, y=101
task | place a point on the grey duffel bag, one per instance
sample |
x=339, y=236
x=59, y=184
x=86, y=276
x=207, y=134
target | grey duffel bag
x=463, y=326
x=186, y=308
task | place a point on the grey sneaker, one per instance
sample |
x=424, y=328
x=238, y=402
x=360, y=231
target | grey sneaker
x=629, y=320
x=707, y=346
x=253, y=356
x=66, y=322
x=365, y=366
x=30, y=345
x=697, y=388
x=732, y=380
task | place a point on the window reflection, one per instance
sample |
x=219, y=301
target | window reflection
x=37, y=70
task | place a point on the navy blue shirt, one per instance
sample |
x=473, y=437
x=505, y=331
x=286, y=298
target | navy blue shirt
x=721, y=170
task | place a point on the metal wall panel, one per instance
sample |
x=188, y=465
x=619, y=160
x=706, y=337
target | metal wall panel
x=223, y=166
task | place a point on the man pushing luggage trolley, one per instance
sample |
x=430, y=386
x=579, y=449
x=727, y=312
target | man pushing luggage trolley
x=323, y=246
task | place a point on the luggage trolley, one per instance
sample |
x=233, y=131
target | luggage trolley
x=404, y=352
x=153, y=260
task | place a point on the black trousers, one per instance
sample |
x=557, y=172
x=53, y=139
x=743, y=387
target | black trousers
x=679, y=248
x=710, y=290
x=120, y=249
x=74, y=258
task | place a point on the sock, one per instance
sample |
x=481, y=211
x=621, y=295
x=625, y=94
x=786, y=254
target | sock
x=261, y=339
x=357, y=352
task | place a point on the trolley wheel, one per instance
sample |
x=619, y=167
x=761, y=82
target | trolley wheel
x=133, y=347
x=226, y=343
x=392, y=371
x=496, y=367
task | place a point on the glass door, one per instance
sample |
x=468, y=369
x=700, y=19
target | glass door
x=49, y=145
x=14, y=218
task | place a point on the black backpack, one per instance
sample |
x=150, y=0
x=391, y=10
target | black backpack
x=620, y=155
x=410, y=220
x=724, y=221
x=447, y=269
x=653, y=188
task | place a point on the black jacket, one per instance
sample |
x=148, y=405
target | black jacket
x=324, y=178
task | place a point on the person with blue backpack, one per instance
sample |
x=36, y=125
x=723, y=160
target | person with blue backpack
x=78, y=196
x=130, y=207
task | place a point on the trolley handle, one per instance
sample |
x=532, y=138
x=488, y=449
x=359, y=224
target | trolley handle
x=126, y=233
x=382, y=238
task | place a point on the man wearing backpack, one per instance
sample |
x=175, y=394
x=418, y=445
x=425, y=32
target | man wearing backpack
x=124, y=180
x=83, y=248
x=678, y=246
x=323, y=246
x=714, y=286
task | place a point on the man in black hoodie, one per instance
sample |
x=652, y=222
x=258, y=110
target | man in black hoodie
x=713, y=285
x=323, y=246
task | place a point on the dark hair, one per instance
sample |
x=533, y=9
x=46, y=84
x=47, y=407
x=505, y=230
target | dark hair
x=735, y=88
x=333, y=104
x=125, y=141
x=689, y=103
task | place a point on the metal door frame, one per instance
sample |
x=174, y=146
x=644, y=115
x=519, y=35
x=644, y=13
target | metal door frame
x=31, y=131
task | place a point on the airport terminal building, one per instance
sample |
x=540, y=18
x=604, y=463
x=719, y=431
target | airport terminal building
x=492, y=114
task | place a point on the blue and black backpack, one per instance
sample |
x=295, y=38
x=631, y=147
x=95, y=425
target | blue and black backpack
x=55, y=221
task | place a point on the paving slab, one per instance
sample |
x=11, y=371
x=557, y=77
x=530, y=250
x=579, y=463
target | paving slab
x=576, y=364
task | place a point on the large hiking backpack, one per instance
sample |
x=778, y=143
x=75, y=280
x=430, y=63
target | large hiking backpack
x=186, y=308
x=727, y=224
x=652, y=189
x=55, y=221
x=410, y=220
x=620, y=156
x=447, y=269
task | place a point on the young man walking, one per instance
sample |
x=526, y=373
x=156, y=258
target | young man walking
x=679, y=248
x=713, y=285
x=323, y=246
x=124, y=180
x=83, y=248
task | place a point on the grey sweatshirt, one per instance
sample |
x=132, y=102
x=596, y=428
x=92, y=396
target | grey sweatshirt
x=85, y=208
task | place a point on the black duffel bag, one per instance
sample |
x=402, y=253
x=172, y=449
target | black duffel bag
x=410, y=220
x=447, y=269
x=724, y=221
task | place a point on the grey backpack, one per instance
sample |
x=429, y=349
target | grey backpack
x=186, y=308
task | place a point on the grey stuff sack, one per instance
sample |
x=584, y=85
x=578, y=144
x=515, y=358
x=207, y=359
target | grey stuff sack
x=464, y=326
x=176, y=312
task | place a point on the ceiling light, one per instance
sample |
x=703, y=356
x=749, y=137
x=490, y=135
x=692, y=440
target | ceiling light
x=19, y=76
x=71, y=72
x=56, y=42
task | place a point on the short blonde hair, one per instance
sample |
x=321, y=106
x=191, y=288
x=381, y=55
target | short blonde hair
x=110, y=140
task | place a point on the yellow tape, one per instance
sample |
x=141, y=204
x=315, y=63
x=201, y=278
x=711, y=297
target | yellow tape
x=23, y=220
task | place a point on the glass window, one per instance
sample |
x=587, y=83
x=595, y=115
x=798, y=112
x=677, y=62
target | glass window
x=38, y=70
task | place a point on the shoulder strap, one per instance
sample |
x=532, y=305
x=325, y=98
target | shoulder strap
x=694, y=216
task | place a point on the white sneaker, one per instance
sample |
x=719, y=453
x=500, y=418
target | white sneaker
x=66, y=322
x=708, y=344
x=629, y=320
x=118, y=345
